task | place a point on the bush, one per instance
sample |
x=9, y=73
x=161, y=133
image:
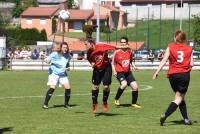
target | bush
x=23, y=37
x=104, y=29
x=88, y=30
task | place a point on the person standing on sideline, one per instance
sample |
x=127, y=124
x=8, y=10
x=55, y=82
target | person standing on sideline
x=59, y=60
x=180, y=64
x=122, y=66
x=102, y=71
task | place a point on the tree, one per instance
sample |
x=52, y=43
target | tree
x=88, y=30
x=196, y=27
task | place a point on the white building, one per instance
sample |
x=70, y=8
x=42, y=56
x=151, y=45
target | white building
x=88, y=4
x=144, y=9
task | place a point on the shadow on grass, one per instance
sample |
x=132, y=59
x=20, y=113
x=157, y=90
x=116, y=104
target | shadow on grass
x=179, y=122
x=2, y=130
x=58, y=106
x=123, y=105
x=106, y=114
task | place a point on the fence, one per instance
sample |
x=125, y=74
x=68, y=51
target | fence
x=82, y=65
x=156, y=24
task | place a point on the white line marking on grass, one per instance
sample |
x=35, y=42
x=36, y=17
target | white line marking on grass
x=146, y=88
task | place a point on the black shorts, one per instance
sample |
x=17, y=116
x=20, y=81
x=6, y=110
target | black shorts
x=104, y=75
x=125, y=76
x=180, y=82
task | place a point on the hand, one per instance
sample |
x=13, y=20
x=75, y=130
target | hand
x=93, y=65
x=155, y=75
x=115, y=74
x=68, y=69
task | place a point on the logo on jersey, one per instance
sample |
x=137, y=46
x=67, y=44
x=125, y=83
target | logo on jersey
x=99, y=58
x=125, y=63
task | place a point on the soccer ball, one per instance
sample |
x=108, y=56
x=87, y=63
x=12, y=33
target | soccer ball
x=64, y=15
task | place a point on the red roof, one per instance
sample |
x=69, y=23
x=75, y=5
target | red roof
x=79, y=14
x=80, y=46
x=39, y=12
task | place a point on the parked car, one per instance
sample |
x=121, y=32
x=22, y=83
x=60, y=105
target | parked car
x=196, y=54
x=141, y=54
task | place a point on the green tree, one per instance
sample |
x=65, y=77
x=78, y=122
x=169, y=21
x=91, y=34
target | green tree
x=43, y=35
x=70, y=3
x=196, y=27
x=88, y=30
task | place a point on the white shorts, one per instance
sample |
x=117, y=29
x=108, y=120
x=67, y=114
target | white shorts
x=54, y=80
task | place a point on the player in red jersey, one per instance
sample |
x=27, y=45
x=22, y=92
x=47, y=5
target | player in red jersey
x=180, y=64
x=122, y=66
x=102, y=71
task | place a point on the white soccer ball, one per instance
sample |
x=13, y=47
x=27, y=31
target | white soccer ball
x=64, y=15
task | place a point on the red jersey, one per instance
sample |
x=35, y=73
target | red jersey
x=179, y=58
x=100, y=59
x=122, y=60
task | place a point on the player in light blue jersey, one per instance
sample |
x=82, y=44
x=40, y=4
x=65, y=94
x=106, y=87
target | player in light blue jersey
x=59, y=60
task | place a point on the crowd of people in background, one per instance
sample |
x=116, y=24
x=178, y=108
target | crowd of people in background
x=26, y=53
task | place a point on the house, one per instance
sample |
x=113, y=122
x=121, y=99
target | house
x=169, y=9
x=111, y=16
x=38, y=17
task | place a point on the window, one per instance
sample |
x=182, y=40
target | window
x=42, y=21
x=29, y=21
x=113, y=3
x=180, y=5
x=103, y=2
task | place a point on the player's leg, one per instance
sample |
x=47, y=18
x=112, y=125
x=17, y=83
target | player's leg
x=172, y=107
x=52, y=81
x=107, y=79
x=182, y=106
x=95, y=89
x=65, y=82
x=134, y=93
x=123, y=84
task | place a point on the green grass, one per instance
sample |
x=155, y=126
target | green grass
x=25, y=115
x=166, y=34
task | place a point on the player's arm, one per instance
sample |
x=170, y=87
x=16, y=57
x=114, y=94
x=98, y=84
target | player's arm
x=191, y=61
x=162, y=63
x=113, y=64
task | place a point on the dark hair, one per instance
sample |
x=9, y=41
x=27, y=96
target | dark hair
x=65, y=43
x=125, y=38
x=180, y=36
x=91, y=41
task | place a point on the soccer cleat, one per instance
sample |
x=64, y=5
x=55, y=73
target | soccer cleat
x=136, y=106
x=162, y=119
x=67, y=106
x=94, y=108
x=117, y=103
x=105, y=107
x=187, y=122
x=45, y=107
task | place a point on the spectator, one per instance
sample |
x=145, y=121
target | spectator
x=160, y=55
x=35, y=54
x=43, y=54
x=17, y=53
x=151, y=56
x=24, y=53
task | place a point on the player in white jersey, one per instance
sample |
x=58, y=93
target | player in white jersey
x=59, y=60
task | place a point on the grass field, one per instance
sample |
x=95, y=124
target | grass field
x=24, y=115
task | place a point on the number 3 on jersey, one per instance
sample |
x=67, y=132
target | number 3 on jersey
x=180, y=56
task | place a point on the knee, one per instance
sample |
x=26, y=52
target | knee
x=106, y=88
x=95, y=87
x=134, y=86
x=123, y=84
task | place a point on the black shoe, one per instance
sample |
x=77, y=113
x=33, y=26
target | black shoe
x=187, y=122
x=162, y=119
x=67, y=106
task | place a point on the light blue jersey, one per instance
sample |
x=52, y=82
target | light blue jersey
x=59, y=63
